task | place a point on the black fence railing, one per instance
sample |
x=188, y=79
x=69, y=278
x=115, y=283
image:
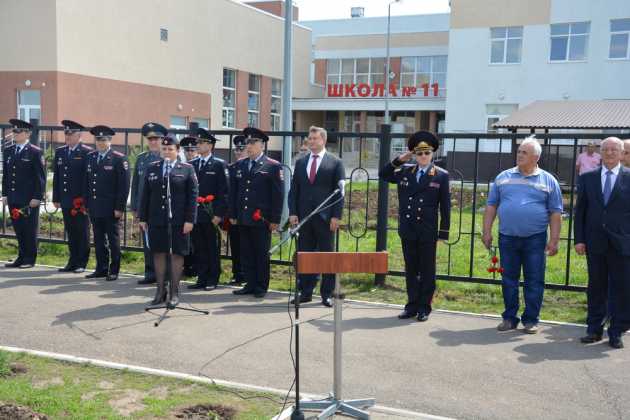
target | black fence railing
x=370, y=214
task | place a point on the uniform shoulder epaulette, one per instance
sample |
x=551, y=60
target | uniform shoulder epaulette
x=117, y=153
x=185, y=164
x=62, y=147
x=93, y=152
x=439, y=169
x=218, y=159
x=193, y=159
x=273, y=161
x=86, y=148
x=156, y=163
x=35, y=147
x=142, y=153
x=9, y=147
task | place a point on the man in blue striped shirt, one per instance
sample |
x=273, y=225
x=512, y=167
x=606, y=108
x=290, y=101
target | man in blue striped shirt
x=527, y=199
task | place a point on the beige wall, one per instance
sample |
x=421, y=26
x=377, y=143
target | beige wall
x=28, y=37
x=488, y=13
x=357, y=42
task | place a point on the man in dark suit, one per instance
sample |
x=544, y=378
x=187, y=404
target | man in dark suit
x=23, y=187
x=256, y=201
x=316, y=176
x=423, y=189
x=106, y=190
x=602, y=232
x=212, y=177
x=69, y=171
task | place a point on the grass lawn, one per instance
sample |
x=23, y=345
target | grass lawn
x=66, y=390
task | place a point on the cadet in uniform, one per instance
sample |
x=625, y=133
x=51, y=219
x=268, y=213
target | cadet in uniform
x=212, y=177
x=106, y=190
x=154, y=133
x=256, y=200
x=423, y=188
x=189, y=144
x=69, y=171
x=153, y=212
x=238, y=276
x=23, y=187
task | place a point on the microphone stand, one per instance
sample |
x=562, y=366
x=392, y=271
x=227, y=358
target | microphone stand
x=169, y=262
x=294, y=233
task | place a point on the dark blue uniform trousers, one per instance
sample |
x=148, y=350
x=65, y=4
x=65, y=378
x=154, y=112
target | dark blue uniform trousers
x=77, y=229
x=255, y=244
x=419, y=274
x=26, y=227
x=107, y=228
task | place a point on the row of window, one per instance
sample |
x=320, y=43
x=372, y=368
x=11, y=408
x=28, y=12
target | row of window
x=415, y=71
x=569, y=42
x=253, y=100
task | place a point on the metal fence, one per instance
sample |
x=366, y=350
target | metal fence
x=370, y=213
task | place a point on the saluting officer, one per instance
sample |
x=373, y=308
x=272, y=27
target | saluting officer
x=423, y=189
x=238, y=277
x=168, y=237
x=212, y=177
x=23, y=187
x=189, y=144
x=69, y=171
x=154, y=133
x=256, y=200
x=106, y=190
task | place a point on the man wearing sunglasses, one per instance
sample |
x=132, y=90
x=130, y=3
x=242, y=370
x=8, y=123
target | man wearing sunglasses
x=69, y=172
x=153, y=133
x=423, y=189
x=23, y=187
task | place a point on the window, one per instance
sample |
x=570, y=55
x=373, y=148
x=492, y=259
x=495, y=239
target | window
x=229, y=98
x=179, y=123
x=276, y=104
x=29, y=104
x=360, y=70
x=496, y=112
x=416, y=71
x=569, y=41
x=253, y=100
x=619, y=34
x=202, y=122
x=506, y=45
x=164, y=34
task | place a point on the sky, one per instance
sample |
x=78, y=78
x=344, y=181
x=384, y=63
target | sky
x=340, y=9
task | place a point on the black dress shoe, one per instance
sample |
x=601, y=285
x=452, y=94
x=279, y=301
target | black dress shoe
x=303, y=299
x=79, y=270
x=112, y=277
x=96, y=275
x=259, y=294
x=210, y=288
x=406, y=315
x=236, y=282
x=243, y=291
x=591, y=338
x=327, y=302
x=423, y=317
x=615, y=342
x=66, y=269
x=13, y=264
x=196, y=286
x=23, y=266
x=146, y=281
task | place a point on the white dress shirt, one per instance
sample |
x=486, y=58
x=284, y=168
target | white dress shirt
x=613, y=177
x=320, y=157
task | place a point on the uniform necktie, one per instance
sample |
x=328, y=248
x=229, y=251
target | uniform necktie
x=420, y=175
x=251, y=163
x=607, y=187
x=313, y=171
x=167, y=171
x=100, y=159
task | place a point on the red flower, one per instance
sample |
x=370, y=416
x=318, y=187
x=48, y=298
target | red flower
x=15, y=214
x=226, y=224
x=74, y=212
x=201, y=200
x=209, y=198
x=491, y=269
x=500, y=269
x=77, y=202
x=257, y=216
x=495, y=259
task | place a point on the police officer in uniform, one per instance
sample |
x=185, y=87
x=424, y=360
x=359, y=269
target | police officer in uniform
x=256, y=200
x=69, y=171
x=212, y=177
x=168, y=174
x=106, y=190
x=238, y=276
x=23, y=188
x=423, y=189
x=189, y=144
x=154, y=133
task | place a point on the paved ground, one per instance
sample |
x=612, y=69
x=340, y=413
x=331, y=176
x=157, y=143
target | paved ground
x=453, y=366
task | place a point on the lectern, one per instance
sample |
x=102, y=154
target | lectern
x=336, y=263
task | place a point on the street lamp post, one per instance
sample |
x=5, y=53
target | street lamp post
x=388, y=69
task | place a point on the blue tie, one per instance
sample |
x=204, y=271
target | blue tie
x=251, y=163
x=607, y=187
x=420, y=175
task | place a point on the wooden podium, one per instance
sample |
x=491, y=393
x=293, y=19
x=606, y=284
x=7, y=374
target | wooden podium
x=336, y=263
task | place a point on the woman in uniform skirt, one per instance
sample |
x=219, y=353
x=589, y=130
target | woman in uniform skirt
x=154, y=217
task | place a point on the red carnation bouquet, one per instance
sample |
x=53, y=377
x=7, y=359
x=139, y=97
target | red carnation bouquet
x=16, y=212
x=78, y=207
x=206, y=203
x=258, y=217
x=495, y=266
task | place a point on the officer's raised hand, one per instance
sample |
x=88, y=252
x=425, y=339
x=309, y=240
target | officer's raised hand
x=405, y=157
x=34, y=203
x=188, y=227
